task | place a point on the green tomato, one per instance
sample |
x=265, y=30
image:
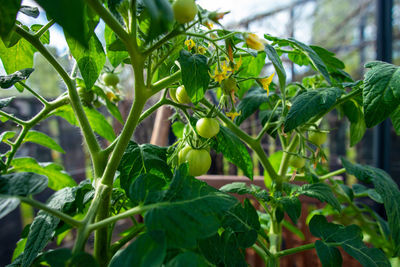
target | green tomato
x=182, y=96
x=297, y=162
x=228, y=85
x=199, y=161
x=110, y=79
x=172, y=94
x=207, y=127
x=184, y=10
x=86, y=96
x=317, y=138
x=183, y=153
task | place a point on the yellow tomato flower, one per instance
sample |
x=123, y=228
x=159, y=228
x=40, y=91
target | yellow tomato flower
x=111, y=96
x=265, y=82
x=209, y=25
x=190, y=44
x=238, y=64
x=219, y=75
x=233, y=115
x=201, y=50
x=254, y=42
x=225, y=67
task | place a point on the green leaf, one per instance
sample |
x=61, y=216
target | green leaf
x=292, y=207
x=328, y=57
x=243, y=220
x=322, y=192
x=161, y=17
x=361, y=191
x=395, y=118
x=233, y=150
x=143, y=159
x=251, y=67
x=317, y=62
x=387, y=189
x=43, y=226
x=42, y=139
x=241, y=188
x=148, y=249
x=90, y=59
x=58, y=179
x=276, y=61
x=350, y=239
x=381, y=93
x=45, y=38
x=8, y=14
x=97, y=121
x=329, y=255
x=223, y=250
x=146, y=189
x=187, y=258
x=354, y=113
x=250, y=103
x=177, y=128
x=4, y=102
x=115, y=57
x=309, y=104
x=70, y=15
x=193, y=202
x=9, y=80
x=195, y=76
x=18, y=184
x=18, y=57
x=30, y=11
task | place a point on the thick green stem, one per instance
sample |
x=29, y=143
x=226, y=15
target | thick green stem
x=294, y=250
x=163, y=83
x=64, y=217
x=334, y=173
x=250, y=141
x=76, y=104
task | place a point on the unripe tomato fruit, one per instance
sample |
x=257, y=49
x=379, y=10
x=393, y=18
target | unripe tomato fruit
x=207, y=127
x=317, y=138
x=87, y=97
x=182, y=96
x=228, y=85
x=110, y=79
x=172, y=94
x=297, y=162
x=183, y=153
x=184, y=10
x=199, y=161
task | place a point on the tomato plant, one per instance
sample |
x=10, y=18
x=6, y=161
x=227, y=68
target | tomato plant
x=215, y=79
x=207, y=127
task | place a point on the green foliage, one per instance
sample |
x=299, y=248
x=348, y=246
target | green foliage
x=349, y=238
x=234, y=150
x=148, y=249
x=18, y=184
x=195, y=75
x=309, y=104
x=381, y=93
x=186, y=221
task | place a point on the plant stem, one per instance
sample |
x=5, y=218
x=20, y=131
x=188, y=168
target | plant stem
x=334, y=173
x=12, y=118
x=39, y=97
x=64, y=217
x=294, y=250
x=133, y=211
x=253, y=143
x=32, y=122
x=120, y=243
x=76, y=104
x=44, y=29
x=165, y=82
x=285, y=161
